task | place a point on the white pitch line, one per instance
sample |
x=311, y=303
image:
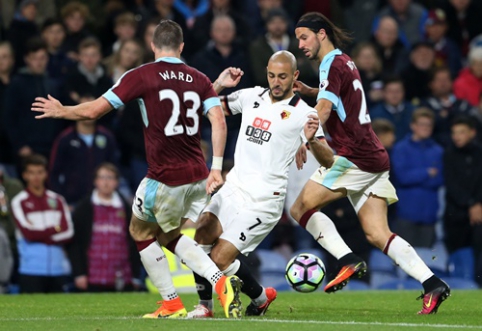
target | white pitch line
x=102, y=318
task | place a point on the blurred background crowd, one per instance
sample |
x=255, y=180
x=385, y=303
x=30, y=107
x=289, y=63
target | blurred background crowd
x=66, y=188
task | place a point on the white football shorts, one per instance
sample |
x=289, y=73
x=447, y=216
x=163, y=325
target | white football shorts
x=167, y=205
x=358, y=183
x=245, y=222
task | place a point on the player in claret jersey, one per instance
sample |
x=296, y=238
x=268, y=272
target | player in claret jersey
x=360, y=170
x=172, y=97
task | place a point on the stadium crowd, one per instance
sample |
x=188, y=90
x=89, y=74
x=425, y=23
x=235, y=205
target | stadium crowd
x=421, y=69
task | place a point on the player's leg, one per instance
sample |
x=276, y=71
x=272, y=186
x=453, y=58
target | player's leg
x=373, y=219
x=157, y=267
x=321, y=227
x=207, y=232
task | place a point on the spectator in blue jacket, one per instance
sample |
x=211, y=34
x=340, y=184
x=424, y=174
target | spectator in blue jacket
x=417, y=167
x=394, y=107
x=77, y=151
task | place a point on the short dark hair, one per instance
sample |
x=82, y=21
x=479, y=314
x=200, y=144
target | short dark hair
x=90, y=42
x=34, y=159
x=108, y=166
x=33, y=45
x=464, y=120
x=392, y=79
x=337, y=36
x=52, y=21
x=434, y=72
x=381, y=126
x=423, y=112
x=168, y=34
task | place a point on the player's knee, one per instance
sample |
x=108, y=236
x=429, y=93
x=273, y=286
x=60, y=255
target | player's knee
x=377, y=238
x=207, y=231
x=140, y=231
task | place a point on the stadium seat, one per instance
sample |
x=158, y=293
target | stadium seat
x=380, y=262
x=357, y=285
x=435, y=258
x=461, y=283
x=272, y=269
x=461, y=263
x=406, y=284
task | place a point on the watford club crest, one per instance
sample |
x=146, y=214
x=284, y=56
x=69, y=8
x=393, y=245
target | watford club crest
x=285, y=115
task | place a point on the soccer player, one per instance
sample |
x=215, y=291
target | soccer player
x=360, y=170
x=275, y=122
x=172, y=96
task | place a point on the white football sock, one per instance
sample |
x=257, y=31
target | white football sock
x=407, y=258
x=323, y=230
x=233, y=268
x=261, y=300
x=196, y=259
x=157, y=267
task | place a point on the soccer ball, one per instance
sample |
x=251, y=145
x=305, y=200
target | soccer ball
x=305, y=272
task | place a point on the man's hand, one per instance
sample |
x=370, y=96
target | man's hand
x=475, y=214
x=301, y=157
x=51, y=107
x=25, y=151
x=81, y=282
x=214, y=181
x=230, y=77
x=303, y=89
x=311, y=127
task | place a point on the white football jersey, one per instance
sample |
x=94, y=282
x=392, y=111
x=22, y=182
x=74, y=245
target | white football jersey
x=269, y=136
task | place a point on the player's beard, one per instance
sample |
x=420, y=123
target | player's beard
x=316, y=50
x=281, y=96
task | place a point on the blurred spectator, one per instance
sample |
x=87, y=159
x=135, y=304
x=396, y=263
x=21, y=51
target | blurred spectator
x=74, y=15
x=6, y=68
x=417, y=163
x=385, y=131
x=191, y=10
x=102, y=254
x=24, y=132
x=445, y=105
x=9, y=188
x=77, y=151
x=89, y=77
x=199, y=34
x=129, y=55
x=257, y=21
x=463, y=194
x=369, y=66
x=125, y=28
x=463, y=18
x=364, y=11
x=416, y=76
x=277, y=39
x=220, y=53
x=148, y=33
x=164, y=9
x=410, y=17
x=22, y=28
x=447, y=52
x=468, y=85
x=43, y=227
x=53, y=34
x=394, y=107
x=389, y=47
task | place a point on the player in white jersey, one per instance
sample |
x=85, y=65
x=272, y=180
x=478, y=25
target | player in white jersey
x=275, y=122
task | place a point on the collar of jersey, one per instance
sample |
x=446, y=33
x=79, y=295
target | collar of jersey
x=170, y=59
x=331, y=54
x=266, y=97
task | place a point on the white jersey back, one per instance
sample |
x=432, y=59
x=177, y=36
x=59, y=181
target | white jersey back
x=269, y=136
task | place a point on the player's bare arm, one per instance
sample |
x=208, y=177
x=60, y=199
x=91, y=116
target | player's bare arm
x=319, y=147
x=230, y=77
x=52, y=108
x=304, y=89
x=219, y=134
x=323, y=108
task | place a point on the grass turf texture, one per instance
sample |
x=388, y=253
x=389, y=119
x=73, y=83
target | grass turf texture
x=370, y=310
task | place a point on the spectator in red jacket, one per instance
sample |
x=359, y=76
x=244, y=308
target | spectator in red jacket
x=468, y=84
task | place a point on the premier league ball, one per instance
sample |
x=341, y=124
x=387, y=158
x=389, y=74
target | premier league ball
x=305, y=272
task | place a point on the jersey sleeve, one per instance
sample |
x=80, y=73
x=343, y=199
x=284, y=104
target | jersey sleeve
x=319, y=134
x=236, y=100
x=127, y=88
x=209, y=97
x=330, y=83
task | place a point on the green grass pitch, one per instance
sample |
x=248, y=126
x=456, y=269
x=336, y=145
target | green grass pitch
x=363, y=310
